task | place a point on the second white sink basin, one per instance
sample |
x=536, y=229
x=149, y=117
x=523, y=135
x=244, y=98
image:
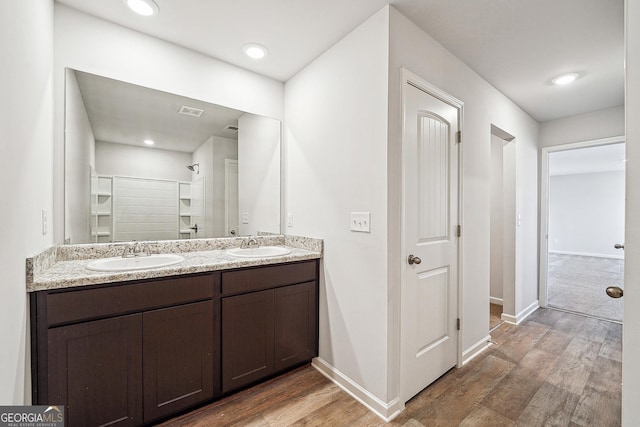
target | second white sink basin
x=134, y=263
x=259, y=252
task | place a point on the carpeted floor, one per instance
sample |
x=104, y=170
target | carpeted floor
x=578, y=283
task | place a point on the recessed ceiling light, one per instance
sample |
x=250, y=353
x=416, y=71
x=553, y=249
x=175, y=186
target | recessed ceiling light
x=142, y=7
x=149, y=142
x=254, y=50
x=565, y=79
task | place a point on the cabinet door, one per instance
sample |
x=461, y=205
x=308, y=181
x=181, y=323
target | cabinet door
x=95, y=371
x=247, y=339
x=295, y=324
x=178, y=358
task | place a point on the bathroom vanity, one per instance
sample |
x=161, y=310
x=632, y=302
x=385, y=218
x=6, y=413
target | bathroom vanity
x=132, y=352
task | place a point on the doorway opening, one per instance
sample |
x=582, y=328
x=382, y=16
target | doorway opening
x=585, y=204
x=503, y=226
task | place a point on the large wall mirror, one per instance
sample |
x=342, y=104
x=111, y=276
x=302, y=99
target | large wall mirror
x=141, y=164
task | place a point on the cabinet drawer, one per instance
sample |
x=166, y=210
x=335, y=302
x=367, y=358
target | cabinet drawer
x=260, y=278
x=82, y=305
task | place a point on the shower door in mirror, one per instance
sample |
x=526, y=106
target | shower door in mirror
x=198, y=224
x=231, y=211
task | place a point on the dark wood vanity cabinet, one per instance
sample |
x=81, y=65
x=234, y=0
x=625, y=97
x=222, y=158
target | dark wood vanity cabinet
x=133, y=353
x=177, y=364
x=95, y=370
x=269, y=321
x=127, y=354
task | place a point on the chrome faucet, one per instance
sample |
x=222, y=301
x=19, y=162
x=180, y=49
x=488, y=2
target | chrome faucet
x=136, y=249
x=247, y=243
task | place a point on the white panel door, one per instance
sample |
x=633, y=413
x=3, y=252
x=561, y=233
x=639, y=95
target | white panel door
x=429, y=294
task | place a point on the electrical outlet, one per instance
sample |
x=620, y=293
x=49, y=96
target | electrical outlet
x=244, y=218
x=289, y=219
x=361, y=222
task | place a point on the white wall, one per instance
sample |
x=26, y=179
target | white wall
x=503, y=223
x=141, y=162
x=496, y=220
x=89, y=44
x=80, y=157
x=336, y=163
x=258, y=174
x=631, y=330
x=584, y=127
x=411, y=48
x=586, y=213
x=510, y=289
x=26, y=34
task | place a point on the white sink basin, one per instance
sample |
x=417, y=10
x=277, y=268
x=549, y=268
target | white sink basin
x=134, y=263
x=259, y=252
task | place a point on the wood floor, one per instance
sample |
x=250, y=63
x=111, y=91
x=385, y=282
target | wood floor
x=495, y=315
x=555, y=369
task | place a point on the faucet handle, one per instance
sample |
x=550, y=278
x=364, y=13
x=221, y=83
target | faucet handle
x=128, y=250
x=146, y=249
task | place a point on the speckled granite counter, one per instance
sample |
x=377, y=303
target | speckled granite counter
x=65, y=266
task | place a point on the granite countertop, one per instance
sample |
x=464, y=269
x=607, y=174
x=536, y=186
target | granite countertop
x=60, y=272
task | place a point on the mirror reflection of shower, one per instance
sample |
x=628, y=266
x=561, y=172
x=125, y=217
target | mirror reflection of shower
x=194, y=168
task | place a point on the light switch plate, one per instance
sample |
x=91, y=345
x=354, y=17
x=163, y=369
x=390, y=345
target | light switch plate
x=361, y=222
x=244, y=218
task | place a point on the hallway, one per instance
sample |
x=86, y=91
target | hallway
x=556, y=368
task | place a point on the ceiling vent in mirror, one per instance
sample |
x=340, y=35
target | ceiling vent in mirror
x=231, y=128
x=191, y=111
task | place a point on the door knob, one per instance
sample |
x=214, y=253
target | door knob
x=618, y=246
x=194, y=228
x=614, y=292
x=413, y=260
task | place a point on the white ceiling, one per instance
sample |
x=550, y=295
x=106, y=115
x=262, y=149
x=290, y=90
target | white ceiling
x=123, y=113
x=602, y=158
x=517, y=46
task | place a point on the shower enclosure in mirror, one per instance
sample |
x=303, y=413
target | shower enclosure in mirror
x=141, y=164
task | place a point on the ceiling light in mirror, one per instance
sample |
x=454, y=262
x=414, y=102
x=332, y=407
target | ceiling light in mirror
x=149, y=142
x=142, y=7
x=254, y=50
x=565, y=79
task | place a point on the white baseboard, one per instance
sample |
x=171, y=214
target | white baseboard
x=587, y=254
x=475, y=349
x=497, y=301
x=386, y=411
x=515, y=320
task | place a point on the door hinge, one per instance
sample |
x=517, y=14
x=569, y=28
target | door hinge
x=458, y=323
x=459, y=137
x=459, y=231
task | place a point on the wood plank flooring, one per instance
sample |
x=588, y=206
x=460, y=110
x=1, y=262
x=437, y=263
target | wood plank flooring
x=495, y=315
x=555, y=369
